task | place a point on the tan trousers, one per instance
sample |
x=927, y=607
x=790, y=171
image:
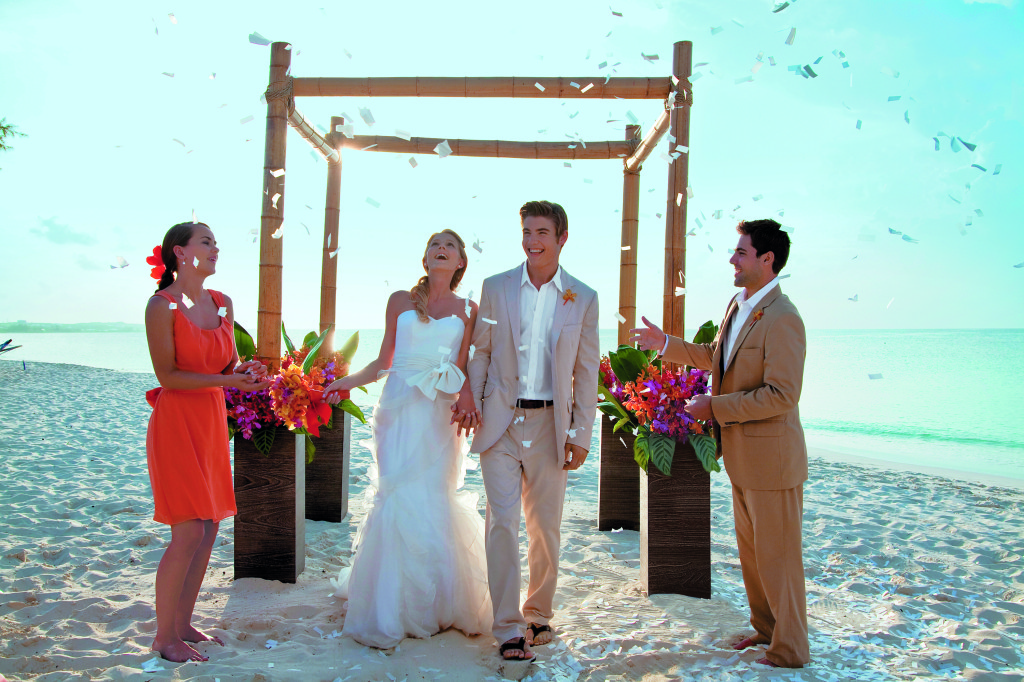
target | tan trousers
x=520, y=478
x=769, y=535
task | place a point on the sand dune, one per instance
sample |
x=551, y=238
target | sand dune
x=909, y=576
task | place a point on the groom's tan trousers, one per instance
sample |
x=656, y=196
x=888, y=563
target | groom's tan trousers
x=522, y=472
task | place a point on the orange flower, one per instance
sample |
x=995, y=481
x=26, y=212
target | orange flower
x=569, y=295
x=757, y=316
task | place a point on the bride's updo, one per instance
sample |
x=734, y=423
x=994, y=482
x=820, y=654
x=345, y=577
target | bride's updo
x=422, y=289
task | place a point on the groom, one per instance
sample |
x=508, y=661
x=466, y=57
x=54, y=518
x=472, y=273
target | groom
x=534, y=373
x=757, y=366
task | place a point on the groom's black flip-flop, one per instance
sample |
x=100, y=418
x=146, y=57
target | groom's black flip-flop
x=536, y=630
x=517, y=644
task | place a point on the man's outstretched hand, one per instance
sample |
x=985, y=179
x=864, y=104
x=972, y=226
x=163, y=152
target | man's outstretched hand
x=650, y=337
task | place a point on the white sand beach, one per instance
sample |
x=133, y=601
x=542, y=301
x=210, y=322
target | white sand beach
x=909, y=575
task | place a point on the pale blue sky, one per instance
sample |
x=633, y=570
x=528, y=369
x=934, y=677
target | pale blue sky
x=100, y=175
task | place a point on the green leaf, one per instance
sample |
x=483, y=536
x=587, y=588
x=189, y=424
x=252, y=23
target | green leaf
x=707, y=332
x=627, y=363
x=348, y=350
x=287, y=342
x=263, y=439
x=353, y=409
x=623, y=423
x=310, y=450
x=309, y=339
x=244, y=344
x=363, y=389
x=662, y=449
x=641, y=448
x=307, y=364
x=704, y=446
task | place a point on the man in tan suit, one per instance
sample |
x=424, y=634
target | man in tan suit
x=757, y=366
x=534, y=373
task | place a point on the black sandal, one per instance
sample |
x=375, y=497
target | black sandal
x=517, y=644
x=536, y=630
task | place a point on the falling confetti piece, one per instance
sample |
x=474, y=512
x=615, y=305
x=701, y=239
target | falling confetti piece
x=187, y=301
x=981, y=168
x=906, y=116
x=680, y=291
x=404, y=134
x=371, y=202
x=587, y=88
x=710, y=249
x=890, y=302
x=859, y=123
x=526, y=443
x=278, y=233
x=413, y=162
x=213, y=76
x=443, y=149
x=744, y=79
x=759, y=197
x=649, y=57
x=539, y=86
x=195, y=261
x=689, y=192
x=525, y=346
x=792, y=36
x=168, y=74
x=619, y=317
x=908, y=238
x=998, y=169
x=715, y=30
x=472, y=350
x=247, y=119
x=366, y=116
x=626, y=248
x=277, y=173
x=937, y=146
x=874, y=377
x=178, y=141
x=273, y=199
x=566, y=164
x=519, y=419
x=854, y=298
x=222, y=311
x=970, y=147
x=476, y=245
x=257, y=39
x=810, y=71
x=571, y=432
x=489, y=321
x=779, y=7
x=173, y=306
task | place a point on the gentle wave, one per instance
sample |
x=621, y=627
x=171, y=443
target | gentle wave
x=907, y=432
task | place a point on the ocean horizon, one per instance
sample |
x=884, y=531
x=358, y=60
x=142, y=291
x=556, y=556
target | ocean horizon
x=900, y=397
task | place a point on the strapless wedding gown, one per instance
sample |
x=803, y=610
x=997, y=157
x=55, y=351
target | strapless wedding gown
x=419, y=564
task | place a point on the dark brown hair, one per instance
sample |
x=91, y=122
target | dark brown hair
x=546, y=209
x=767, y=235
x=179, y=235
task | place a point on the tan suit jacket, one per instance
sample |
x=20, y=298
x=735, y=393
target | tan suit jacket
x=494, y=369
x=754, y=398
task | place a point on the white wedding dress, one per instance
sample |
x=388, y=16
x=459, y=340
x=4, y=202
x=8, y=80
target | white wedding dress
x=419, y=564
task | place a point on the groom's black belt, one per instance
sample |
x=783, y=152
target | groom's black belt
x=534, y=404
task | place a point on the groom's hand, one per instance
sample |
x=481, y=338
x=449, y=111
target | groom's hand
x=464, y=413
x=699, y=408
x=650, y=337
x=575, y=456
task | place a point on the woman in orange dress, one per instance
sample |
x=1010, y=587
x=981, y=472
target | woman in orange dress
x=191, y=342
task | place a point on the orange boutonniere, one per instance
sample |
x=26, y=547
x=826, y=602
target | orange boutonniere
x=757, y=316
x=569, y=295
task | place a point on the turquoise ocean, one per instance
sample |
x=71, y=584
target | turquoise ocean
x=948, y=399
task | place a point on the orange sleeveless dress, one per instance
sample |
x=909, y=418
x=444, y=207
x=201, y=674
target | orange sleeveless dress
x=187, y=440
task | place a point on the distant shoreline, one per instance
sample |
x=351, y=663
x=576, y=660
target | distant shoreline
x=56, y=328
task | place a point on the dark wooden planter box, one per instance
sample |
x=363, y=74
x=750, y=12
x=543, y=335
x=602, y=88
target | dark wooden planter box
x=270, y=528
x=327, y=475
x=675, y=528
x=618, y=493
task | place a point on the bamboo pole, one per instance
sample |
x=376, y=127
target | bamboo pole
x=560, y=88
x=675, y=218
x=648, y=143
x=627, y=259
x=331, y=243
x=268, y=325
x=305, y=130
x=569, y=150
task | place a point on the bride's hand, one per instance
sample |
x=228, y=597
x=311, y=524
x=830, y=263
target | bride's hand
x=338, y=390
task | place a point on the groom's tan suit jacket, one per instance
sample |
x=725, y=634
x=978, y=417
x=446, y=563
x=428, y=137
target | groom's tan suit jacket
x=494, y=369
x=755, y=393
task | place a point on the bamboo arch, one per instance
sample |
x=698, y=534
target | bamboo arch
x=620, y=483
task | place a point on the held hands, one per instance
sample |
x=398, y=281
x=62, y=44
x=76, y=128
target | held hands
x=464, y=413
x=575, y=456
x=249, y=376
x=338, y=390
x=255, y=368
x=650, y=337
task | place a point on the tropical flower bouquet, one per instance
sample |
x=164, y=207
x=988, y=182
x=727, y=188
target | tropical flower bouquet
x=294, y=398
x=647, y=399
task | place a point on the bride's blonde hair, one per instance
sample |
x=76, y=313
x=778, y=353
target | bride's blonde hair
x=422, y=289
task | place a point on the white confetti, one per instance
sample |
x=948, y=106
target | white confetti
x=689, y=192
x=366, y=116
x=619, y=317
x=247, y=119
x=174, y=139
x=679, y=199
x=443, y=149
x=472, y=351
x=187, y=301
x=278, y=233
x=412, y=162
x=574, y=84
x=874, y=377
x=404, y=134
x=152, y=665
x=334, y=253
x=626, y=248
x=571, y=432
x=273, y=199
x=222, y=311
x=346, y=129
x=173, y=306
x=371, y=202
x=587, y=88
x=525, y=346
x=444, y=350
x=518, y=419
x=168, y=74
x=488, y=320
x=195, y=262
x=476, y=245
x=680, y=291
x=329, y=240
x=539, y=86
x=277, y=173
x=257, y=39
x=792, y=36
x=526, y=443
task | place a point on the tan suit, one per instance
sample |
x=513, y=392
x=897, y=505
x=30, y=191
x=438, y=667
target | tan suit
x=521, y=459
x=754, y=400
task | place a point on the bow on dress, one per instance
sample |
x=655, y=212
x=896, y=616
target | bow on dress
x=445, y=377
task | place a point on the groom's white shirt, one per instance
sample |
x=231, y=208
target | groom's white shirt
x=536, y=316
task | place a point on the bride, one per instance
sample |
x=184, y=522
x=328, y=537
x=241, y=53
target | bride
x=419, y=564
